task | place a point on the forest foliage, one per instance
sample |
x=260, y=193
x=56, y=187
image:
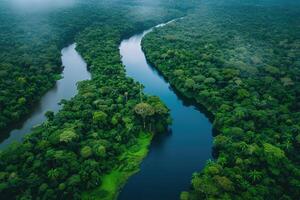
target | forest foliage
x=30, y=60
x=240, y=61
x=30, y=45
x=73, y=150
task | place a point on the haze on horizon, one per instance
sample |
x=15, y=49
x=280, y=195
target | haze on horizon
x=40, y=5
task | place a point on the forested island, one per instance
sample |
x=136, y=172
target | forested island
x=238, y=61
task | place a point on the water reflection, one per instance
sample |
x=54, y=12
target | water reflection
x=173, y=157
x=74, y=70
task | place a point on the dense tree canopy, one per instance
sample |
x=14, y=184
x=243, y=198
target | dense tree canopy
x=240, y=60
x=30, y=57
x=72, y=150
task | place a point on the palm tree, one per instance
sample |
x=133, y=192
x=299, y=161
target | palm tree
x=53, y=174
x=255, y=175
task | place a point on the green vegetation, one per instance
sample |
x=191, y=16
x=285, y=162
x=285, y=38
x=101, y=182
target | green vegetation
x=30, y=57
x=30, y=47
x=115, y=179
x=240, y=60
x=26, y=70
x=76, y=149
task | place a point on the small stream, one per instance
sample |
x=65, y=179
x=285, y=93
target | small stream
x=75, y=69
x=173, y=156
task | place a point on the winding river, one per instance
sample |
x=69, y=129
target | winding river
x=75, y=70
x=174, y=156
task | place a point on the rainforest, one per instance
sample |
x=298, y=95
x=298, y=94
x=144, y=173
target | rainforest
x=150, y=99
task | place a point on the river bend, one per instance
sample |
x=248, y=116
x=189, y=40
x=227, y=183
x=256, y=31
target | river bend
x=173, y=156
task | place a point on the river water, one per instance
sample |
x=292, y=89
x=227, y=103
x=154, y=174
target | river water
x=75, y=69
x=173, y=156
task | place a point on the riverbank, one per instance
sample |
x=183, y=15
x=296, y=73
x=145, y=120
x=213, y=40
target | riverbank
x=244, y=83
x=175, y=155
x=74, y=71
x=130, y=161
x=80, y=144
x=71, y=151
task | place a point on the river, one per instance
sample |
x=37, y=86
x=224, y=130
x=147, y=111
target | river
x=173, y=156
x=75, y=69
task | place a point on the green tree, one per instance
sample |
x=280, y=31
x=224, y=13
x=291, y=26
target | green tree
x=86, y=152
x=53, y=174
x=67, y=136
x=255, y=175
x=101, y=151
x=144, y=110
x=99, y=117
x=49, y=115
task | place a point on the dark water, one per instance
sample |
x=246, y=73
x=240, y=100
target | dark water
x=173, y=157
x=74, y=70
